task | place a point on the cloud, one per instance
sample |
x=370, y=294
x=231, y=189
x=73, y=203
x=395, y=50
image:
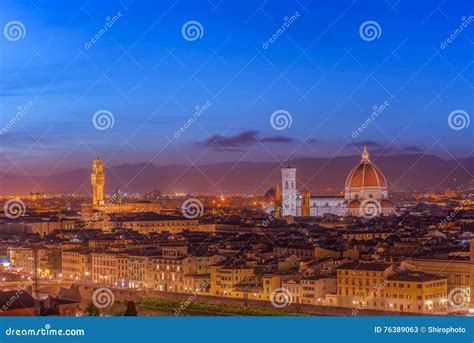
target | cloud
x=278, y=139
x=245, y=138
x=401, y=150
x=385, y=148
x=367, y=143
x=412, y=148
x=313, y=141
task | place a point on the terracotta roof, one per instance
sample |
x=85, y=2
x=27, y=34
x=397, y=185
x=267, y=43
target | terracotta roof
x=414, y=276
x=354, y=204
x=366, y=174
x=371, y=266
x=386, y=203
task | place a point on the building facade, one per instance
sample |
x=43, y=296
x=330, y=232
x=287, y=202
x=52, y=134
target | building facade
x=416, y=292
x=76, y=264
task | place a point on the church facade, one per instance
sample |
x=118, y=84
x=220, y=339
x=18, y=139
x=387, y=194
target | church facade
x=365, y=195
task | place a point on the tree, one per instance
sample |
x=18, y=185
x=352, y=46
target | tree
x=131, y=309
x=54, y=261
x=92, y=310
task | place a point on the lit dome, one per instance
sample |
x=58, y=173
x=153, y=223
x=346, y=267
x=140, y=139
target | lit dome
x=269, y=196
x=366, y=181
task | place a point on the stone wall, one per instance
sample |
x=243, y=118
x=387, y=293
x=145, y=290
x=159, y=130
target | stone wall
x=83, y=294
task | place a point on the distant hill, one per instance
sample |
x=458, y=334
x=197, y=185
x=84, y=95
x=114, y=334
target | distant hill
x=404, y=172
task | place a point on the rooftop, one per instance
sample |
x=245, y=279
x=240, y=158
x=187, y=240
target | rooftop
x=414, y=276
x=144, y=216
x=370, y=266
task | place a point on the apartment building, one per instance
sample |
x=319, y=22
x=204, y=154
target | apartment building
x=149, y=222
x=76, y=264
x=361, y=284
x=416, y=292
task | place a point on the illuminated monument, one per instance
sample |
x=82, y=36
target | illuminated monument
x=98, y=182
x=288, y=176
x=366, y=194
x=114, y=203
x=367, y=186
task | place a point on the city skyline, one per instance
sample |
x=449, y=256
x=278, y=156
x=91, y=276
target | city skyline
x=307, y=158
x=318, y=69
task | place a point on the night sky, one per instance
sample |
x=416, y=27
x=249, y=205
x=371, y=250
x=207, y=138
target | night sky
x=151, y=78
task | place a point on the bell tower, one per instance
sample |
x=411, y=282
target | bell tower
x=305, y=203
x=288, y=176
x=97, y=182
x=277, y=201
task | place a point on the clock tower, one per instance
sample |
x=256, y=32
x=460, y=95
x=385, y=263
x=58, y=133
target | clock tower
x=98, y=182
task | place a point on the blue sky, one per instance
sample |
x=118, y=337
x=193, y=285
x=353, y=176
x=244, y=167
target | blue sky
x=151, y=79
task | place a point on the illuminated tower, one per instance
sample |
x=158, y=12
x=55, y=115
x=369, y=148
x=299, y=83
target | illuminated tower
x=277, y=200
x=288, y=178
x=305, y=200
x=97, y=182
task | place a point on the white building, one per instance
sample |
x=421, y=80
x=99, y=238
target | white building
x=289, y=193
x=365, y=194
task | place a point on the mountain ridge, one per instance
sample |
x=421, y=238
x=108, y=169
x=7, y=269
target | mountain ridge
x=327, y=175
